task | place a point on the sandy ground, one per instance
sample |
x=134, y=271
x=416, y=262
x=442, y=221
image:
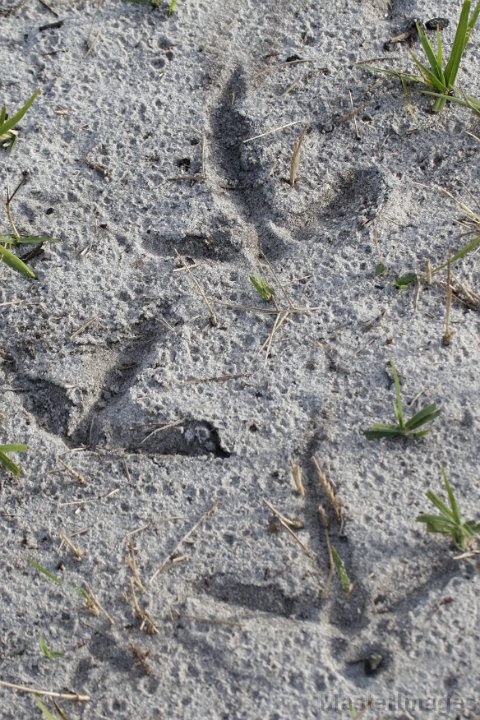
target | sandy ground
x=158, y=421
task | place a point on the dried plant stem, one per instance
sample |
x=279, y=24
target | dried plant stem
x=329, y=492
x=284, y=522
x=46, y=693
x=448, y=333
x=213, y=316
x=187, y=535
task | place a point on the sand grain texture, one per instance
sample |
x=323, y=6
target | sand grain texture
x=143, y=156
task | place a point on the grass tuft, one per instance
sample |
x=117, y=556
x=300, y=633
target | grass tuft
x=266, y=292
x=8, y=136
x=345, y=582
x=449, y=521
x=47, y=651
x=404, y=428
x=6, y=462
x=434, y=74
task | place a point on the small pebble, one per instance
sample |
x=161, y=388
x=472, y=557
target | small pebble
x=439, y=22
x=372, y=664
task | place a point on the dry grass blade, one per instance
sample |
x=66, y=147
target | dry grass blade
x=286, y=524
x=141, y=658
x=146, y=621
x=448, y=332
x=331, y=563
x=295, y=162
x=273, y=130
x=77, y=552
x=78, y=476
x=297, y=478
x=213, y=317
x=200, y=618
x=335, y=503
x=93, y=605
x=171, y=556
x=132, y=564
x=217, y=378
x=45, y=693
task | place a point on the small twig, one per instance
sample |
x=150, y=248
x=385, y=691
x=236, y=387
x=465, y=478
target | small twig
x=213, y=317
x=8, y=203
x=297, y=478
x=74, y=548
x=280, y=66
x=448, y=333
x=331, y=562
x=93, y=498
x=142, y=658
x=428, y=271
x=46, y=693
x=50, y=9
x=279, y=283
x=78, y=476
x=272, y=131
x=195, y=527
x=281, y=318
x=309, y=553
x=146, y=621
x=101, y=169
x=203, y=170
x=159, y=428
x=199, y=618
x=295, y=161
x=51, y=26
x=91, y=41
x=84, y=327
x=132, y=564
x=354, y=116
x=165, y=323
x=93, y=604
x=218, y=378
x=468, y=554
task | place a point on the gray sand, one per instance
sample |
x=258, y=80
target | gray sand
x=145, y=419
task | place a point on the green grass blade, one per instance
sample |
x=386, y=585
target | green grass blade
x=45, y=711
x=461, y=253
x=402, y=282
x=13, y=447
x=471, y=528
x=407, y=77
x=16, y=264
x=345, y=582
x=172, y=7
x=440, y=505
x=11, y=122
x=382, y=430
x=425, y=415
x=435, y=67
x=435, y=523
x=264, y=290
x=451, y=499
x=50, y=654
x=45, y=572
x=9, y=464
x=439, y=51
x=467, y=101
x=27, y=239
x=397, y=405
x=428, y=77
x=459, y=44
